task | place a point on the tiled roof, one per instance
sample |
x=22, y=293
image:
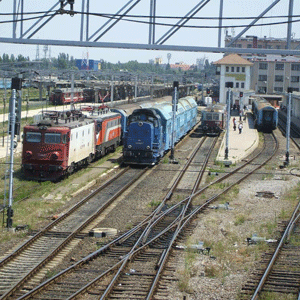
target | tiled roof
x=233, y=59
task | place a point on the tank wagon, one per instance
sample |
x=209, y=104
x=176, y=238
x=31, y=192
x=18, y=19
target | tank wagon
x=265, y=115
x=61, y=142
x=213, y=119
x=149, y=130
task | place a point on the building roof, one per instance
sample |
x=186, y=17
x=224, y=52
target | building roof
x=233, y=59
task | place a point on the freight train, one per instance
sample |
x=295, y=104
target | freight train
x=61, y=142
x=265, y=115
x=213, y=119
x=148, y=133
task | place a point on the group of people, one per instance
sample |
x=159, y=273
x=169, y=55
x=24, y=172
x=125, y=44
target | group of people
x=240, y=125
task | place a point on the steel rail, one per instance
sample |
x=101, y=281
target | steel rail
x=154, y=220
x=55, y=222
x=148, y=220
x=275, y=255
x=70, y=237
x=186, y=220
x=165, y=254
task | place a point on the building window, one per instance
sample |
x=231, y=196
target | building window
x=296, y=89
x=279, y=78
x=249, y=45
x=239, y=45
x=238, y=69
x=243, y=69
x=242, y=85
x=295, y=79
x=237, y=84
x=263, y=66
x=232, y=69
x=295, y=67
x=262, y=78
x=278, y=89
x=227, y=69
x=279, y=67
x=262, y=89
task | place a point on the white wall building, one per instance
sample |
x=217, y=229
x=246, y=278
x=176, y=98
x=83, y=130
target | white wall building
x=236, y=70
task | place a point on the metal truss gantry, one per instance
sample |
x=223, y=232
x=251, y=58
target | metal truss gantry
x=22, y=35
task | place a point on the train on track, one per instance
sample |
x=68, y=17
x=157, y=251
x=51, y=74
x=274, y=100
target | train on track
x=213, y=119
x=64, y=96
x=61, y=142
x=148, y=132
x=265, y=115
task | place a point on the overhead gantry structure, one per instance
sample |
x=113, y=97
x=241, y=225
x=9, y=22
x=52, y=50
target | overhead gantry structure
x=26, y=25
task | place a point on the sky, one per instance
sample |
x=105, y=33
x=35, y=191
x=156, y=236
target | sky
x=65, y=27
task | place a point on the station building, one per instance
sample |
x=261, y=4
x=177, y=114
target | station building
x=236, y=70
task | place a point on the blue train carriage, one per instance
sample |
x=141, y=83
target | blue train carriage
x=143, y=137
x=265, y=115
x=148, y=134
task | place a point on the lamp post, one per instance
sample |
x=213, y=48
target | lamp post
x=288, y=125
x=229, y=85
x=174, y=110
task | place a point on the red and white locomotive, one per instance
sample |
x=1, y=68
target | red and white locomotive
x=213, y=119
x=61, y=142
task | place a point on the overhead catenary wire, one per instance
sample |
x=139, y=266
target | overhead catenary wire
x=127, y=18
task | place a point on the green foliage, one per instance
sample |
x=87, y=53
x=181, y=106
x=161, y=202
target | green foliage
x=239, y=220
x=154, y=203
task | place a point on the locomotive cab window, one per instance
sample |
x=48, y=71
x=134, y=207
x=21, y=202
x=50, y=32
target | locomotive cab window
x=33, y=137
x=65, y=138
x=52, y=138
x=208, y=117
x=215, y=117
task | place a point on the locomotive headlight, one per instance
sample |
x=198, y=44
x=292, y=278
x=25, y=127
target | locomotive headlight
x=54, y=155
x=148, y=147
x=129, y=146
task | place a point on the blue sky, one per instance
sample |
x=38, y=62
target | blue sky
x=68, y=28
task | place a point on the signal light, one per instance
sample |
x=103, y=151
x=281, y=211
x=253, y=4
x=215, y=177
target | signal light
x=241, y=94
x=207, y=91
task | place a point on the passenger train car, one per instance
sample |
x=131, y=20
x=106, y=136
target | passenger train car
x=213, y=119
x=265, y=115
x=64, y=96
x=61, y=142
x=148, y=132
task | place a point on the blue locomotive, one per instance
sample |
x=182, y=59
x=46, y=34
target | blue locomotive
x=149, y=130
x=265, y=115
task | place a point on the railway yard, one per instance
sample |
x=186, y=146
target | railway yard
x=194, y=230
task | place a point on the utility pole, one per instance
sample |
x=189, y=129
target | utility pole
x=229, y=85
x=288, y=125
x=174, y=110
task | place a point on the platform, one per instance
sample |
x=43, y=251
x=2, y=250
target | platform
x=240, y=145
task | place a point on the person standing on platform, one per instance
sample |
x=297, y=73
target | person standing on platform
x=234, y=124
x=240, y=127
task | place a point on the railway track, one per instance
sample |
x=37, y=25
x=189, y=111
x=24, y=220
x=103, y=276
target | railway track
x=294, y=130
x=68, y=229
x=279, y=271
x=130, y=267
x=127, y=245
